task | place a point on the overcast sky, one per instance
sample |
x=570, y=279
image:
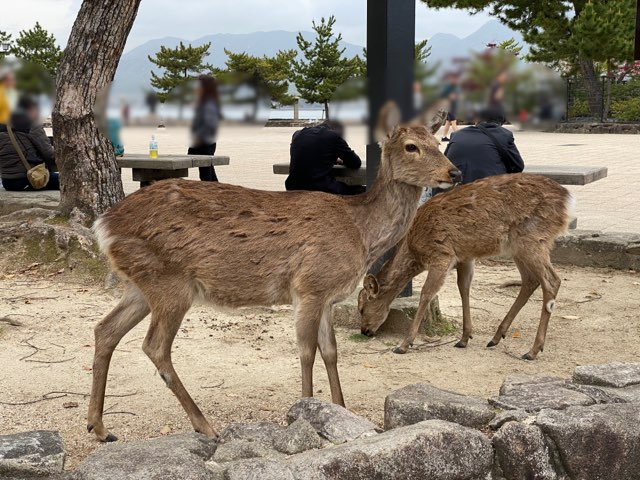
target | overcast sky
x=191, y=19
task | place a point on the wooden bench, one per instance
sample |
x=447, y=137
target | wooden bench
x=563, y=175
x=146, y=169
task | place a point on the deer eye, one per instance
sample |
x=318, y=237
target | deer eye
x=410, y=147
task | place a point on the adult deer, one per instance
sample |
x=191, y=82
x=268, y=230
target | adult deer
x=518, y=214
x=177, y=240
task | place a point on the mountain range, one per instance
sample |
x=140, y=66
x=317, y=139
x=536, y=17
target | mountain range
x=133, y=74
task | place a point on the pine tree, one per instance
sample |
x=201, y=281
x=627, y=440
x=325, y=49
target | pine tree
x=181, y=65
x=324, y=68
x=266, y=76
x=571, y=35
x=5, y=40
x=38, y=46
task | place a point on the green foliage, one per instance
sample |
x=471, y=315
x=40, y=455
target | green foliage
x=627, y=110
x=181, y=65
x=324, y=68
x=624, y=91
x=510, y=46
x=579, y=108
x=5, y=39
x=358, y=338
x=34, y=79
x=39, y=47
x=267, y=77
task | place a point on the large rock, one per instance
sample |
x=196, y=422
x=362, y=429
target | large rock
x=419, y=402
x=298, y=437
x=508, y=416
x=259, y=432
x=174, y=456
x=614, y=374
x=242, y=449
x=601, y=442
x=31, y=454
x=534, y=393
x=331, y=421
x=434, y=450
x=522, y=453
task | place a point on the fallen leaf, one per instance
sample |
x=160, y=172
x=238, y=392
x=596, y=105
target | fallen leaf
x=70, y=404
x=166, y=430
x=515, y=335
x=368, y=365
x=571, y=317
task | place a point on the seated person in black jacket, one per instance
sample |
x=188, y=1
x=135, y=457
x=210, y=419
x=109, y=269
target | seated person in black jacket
x=314, y=152
x=33, y=142
x=474, y=152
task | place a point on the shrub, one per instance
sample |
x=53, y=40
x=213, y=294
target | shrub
x=627, y=110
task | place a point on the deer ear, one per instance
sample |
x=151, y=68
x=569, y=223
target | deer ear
x=371, y=286
x=388, y=119
x=433, y=117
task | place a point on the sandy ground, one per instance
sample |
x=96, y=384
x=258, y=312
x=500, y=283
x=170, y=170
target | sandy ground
x=242, y=366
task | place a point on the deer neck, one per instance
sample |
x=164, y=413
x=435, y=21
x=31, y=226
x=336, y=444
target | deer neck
x=397, y=272
x=386, y=213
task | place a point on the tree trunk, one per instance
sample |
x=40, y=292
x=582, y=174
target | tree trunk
x=326, y=110
x=89, y=176
x=592, y=85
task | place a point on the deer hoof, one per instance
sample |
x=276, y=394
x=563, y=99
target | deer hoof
x=111, y=438
x=491, y=344
x=461, y=344
x=400, y=350
x=90, y=428
x=528, y=356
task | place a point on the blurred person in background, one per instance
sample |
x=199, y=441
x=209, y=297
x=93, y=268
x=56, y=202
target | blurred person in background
x=314, y=152
x=7, y=93
x=204, y=128
x=485, y=149
x=496, y=92
x=451, y=93
x=35, y=146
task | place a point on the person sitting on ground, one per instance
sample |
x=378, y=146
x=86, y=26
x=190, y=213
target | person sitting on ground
x=34, y=144
x=474, y=152
x=314, y=152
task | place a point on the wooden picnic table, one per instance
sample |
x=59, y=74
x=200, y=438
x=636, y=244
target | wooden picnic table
x=147, y=169
x=564, y=175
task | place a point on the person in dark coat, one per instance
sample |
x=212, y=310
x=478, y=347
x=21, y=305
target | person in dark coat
x=35, y=146
x=204, y=128
x=475, y=154
x=314, y=152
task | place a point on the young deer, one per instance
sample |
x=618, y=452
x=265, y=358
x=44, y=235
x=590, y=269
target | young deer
x=178, y=240
x=517, y=214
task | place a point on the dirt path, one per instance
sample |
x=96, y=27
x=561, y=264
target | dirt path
x=242, y=366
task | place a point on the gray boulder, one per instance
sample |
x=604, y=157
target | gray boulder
x=508, y=416
x=174, y=456
x=522, y=453
x=533, y=393
x=419, y=402
x=601, y=442
x=331, y=421
x=260, y=432
x=614, y=374
x=433, y=449
x=298, y=437
x=31, y=454
x=242, y=449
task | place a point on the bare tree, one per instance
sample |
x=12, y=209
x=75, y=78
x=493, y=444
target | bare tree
x=90, y=179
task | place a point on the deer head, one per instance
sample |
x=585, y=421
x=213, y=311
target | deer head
x=373, y=310
x=413, y=150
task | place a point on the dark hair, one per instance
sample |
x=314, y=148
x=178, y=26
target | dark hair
x=335, y=126
x=492, y=115
x=209, y=87
x=26, y=103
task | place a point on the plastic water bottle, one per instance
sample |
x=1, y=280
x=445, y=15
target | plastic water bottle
x=153, y=147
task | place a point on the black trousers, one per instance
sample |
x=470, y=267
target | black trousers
x=207, y=174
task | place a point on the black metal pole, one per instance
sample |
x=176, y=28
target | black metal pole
x=391, y=26
x=636, y=55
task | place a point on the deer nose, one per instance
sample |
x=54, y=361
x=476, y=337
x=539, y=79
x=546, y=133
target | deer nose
x=456, y=175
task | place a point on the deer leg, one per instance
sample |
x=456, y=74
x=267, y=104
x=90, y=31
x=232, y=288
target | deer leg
x=550, y=282
x=465, y=277
x=329, y=352
x=307, y=317
x=434, y=282
x=529, y=285
x=165, y=321
x=130, y=311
